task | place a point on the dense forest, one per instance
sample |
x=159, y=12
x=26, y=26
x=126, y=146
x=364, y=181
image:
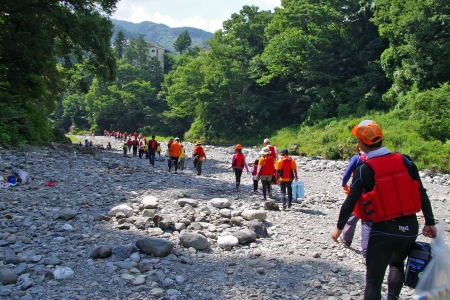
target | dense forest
x=305, y=65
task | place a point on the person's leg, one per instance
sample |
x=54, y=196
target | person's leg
x=366, y=227
x=264, y=187
x=151, y=156
x=396, y=274
x=255, y=185
x=175, y=162
x=181, y=163
x=238, y=173
x=199, y=167
x=349, y=231
x=283, y=186
x=379, y=253
x=269, y=187
x=289, y=192
x=169, y=162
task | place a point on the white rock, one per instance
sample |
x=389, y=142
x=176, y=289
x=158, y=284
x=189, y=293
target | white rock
x=227, y=242
x=122, y=208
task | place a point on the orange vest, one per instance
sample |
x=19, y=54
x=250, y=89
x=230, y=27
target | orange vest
x=395, y=193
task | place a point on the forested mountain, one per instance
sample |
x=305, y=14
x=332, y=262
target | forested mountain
x=160, y=34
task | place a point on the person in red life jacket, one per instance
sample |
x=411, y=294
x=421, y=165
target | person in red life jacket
x=135, y=146
x=141, y=148
x=170, y=143
x=273, y=149
x=350, y=226
x=286, y=171
x=254, y=174
x=129, y=144
x=265, y=171
x=198, y=156
x=175, y=152
x=387, y=190
x=152, y=145
x=238, y=163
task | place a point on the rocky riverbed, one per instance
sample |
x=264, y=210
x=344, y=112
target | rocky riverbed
x=111, y=227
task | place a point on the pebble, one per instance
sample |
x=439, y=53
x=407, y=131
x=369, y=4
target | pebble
x=105, y=202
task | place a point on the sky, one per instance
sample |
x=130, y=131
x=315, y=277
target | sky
x=204, y=14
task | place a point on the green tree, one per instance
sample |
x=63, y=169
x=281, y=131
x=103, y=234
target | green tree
x=33, y=34
x=183, y=42
x=419, y=47
x=119, y=44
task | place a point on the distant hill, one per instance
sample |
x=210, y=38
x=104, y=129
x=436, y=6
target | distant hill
x=160, y=34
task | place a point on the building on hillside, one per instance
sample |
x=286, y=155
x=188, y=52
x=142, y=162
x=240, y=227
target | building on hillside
x=153, y=51
x=156, y=51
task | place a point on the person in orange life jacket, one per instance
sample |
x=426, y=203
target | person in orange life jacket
x=349, y=229
x=152, y=145
x=198, y=156
x=135, y=146
x=286, y=171
x=237, y=163
x=254, y=173
x=141, y=148
x=395, y=227
x=175, y=152
x=265, y=171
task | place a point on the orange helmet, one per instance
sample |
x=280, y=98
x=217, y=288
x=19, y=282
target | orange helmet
x=238, y=147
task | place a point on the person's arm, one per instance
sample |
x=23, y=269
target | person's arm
x=246, y=165
x=349, y=170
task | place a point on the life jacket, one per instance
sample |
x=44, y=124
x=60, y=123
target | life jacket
x=267, y=167
x=238, y=161
x=255, y=170
x=395, y=193
x=130, y=142
x=153, y=144
x=272, y=151
x=198, y=150
x=286, y=171
x=135, y=142
x=182, y=152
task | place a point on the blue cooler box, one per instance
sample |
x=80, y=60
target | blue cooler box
x=298, y=190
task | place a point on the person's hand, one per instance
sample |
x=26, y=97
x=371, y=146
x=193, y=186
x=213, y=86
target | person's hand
x=336, y=234
x=347, y=189
x=429, y=231
x=296, y=179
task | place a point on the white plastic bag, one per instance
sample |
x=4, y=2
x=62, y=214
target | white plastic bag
x=434, y=282
x=22, y=175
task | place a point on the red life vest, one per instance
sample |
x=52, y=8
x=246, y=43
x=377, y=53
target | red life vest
x=267, y=168
x=272, y=151
x=135, y=142
x=286, y=171
x=238, y=161
x=395, y=193
x=153, y=144
x=255, y=170
x=129, y=142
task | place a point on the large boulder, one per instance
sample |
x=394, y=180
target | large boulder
x=245, y=236
x=227, y=242
x=121, y=209
x=149, y=202
x=271, y=205
x=253, y=214
x=258, y=227
x=101, y=252
x=183, y=201
x=156, y=246
x=220, y=202
x=7, y=276
x=194, y=240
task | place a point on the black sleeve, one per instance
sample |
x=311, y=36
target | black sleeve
x=426, y=204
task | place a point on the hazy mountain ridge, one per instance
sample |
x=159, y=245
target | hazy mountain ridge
x=160, y=34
